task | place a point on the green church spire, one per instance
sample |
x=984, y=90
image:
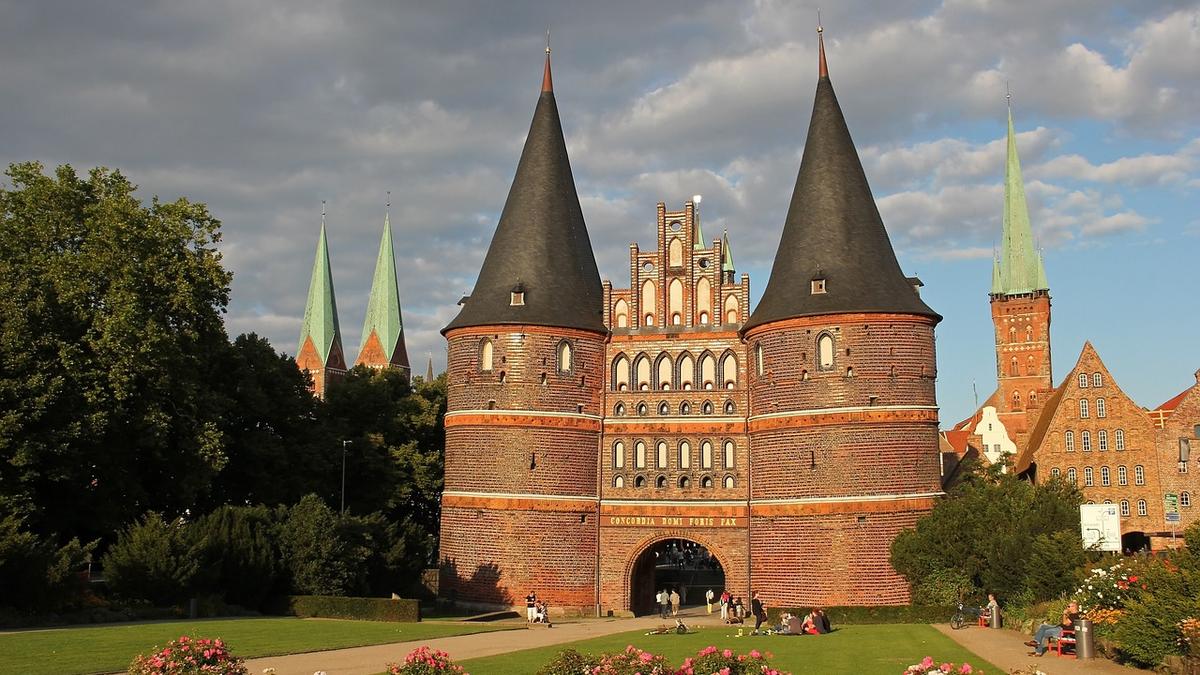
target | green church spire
x=727, y=256
x=383, y=308
x=1020, y=264
x=320, y=313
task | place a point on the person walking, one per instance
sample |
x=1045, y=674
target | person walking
x=664, y=603
x=531, y=607
x=674, y=603
x=708, y=599
x=759, y=610
x=725, y=605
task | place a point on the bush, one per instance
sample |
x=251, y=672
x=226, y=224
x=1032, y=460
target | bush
x=153, y=560
x=1149, y=632
x=366, y=609
x=632, y=661
x=1054, y=563
x=36, y=573
x=872, y=615
x=318, y=559
x=236, y=545
x=570, y=662
x=189, y=656
x=943, y=588
x=712, y=660
x=425, y=661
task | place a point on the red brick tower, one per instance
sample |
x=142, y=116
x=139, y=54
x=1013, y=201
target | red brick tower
x=1020, y=299
x=843, y=418
x=525, y=369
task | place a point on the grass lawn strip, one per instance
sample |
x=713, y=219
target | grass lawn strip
x=98, y=649
x=867, y=649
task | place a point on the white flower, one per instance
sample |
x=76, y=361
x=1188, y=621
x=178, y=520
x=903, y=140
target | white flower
x=319, y=672
x=268, y=671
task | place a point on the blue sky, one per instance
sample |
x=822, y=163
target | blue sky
x=264, y=109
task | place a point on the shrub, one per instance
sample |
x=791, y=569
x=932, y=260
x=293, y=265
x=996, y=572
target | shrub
x=189, y=656
x=570, y=662
x=152, y=560
x=632, y=661
x=36, y=573
x=1108, y=587
x=928, y=666
x=712, y=660
x=943, y=587
x=236, y=545
x=318, y=559
x=1150, y=630
x=425, y=661
x=1054, y=563
x=872, y=615
x=365, y=609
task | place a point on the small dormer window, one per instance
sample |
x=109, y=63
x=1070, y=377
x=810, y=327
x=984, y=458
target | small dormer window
x=818, y=286
x=517, y=299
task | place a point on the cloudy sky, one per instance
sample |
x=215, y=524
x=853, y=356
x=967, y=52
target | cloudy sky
x=264, y=109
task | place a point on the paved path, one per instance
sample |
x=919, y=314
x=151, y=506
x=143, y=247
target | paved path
x=1007, y=650
x=366, y=660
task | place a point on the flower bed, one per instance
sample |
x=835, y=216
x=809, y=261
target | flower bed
x=189, y=656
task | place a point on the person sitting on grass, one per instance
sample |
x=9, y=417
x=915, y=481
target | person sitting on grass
x=1041, y=639
x=820, y=621
x=809, y=625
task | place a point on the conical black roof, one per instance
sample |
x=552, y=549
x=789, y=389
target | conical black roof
x=833, y=231
x=541, y=244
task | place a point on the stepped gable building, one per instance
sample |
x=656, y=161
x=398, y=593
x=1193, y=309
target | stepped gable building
x=603, y=442
x=320, y=352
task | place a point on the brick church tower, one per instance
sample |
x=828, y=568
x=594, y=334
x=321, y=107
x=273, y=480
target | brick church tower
x=1020, y=299
x=383, y=328
x=843, y=418
x=523, y=421
x=320, y=351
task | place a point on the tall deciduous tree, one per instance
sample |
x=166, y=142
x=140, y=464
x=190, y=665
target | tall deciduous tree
x=110, y=336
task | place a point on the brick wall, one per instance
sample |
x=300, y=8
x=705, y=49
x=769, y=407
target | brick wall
x=1182, y=424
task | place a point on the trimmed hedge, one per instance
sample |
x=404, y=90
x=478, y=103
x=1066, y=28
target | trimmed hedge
x=365, y=609
x=867, y=615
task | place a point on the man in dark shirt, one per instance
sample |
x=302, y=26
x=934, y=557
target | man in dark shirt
x=1041, y=639
x=758, y=610
x=531, y=607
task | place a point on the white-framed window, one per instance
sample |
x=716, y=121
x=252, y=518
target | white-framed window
x=1120, y=434
x=1122, y=475
x=1139, y=475
x=1088, y=477
x=758, y=358
x=706, y=455
x=1125, y=507
x=729, y=482
x=1055, y=472
x=1105, y=476
x=825, y=351
x=485, y=355
x=1185, y=499
x=660, y=454
x=1102, y=438
x=664, y=409
x=618, y=481
x=729, y=454
x=565, y=356
x=1101, y=409
x=818, y=286
x=1083, y=409
x=1083, y=380
x=1069, y=439
x=618, y=455
x=639, y=455
x=685, y=455
x=619, y=410
x=1183, y=467
x=1097, y=380
x=1086, y=438
x=1141, y=507
x=1072, y=476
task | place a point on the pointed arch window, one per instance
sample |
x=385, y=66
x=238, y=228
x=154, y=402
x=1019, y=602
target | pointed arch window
x=729, y=371
x=675, y=252
x=639, y=457
x=708, y=371
x=1013, y=368
x=706, y=455
x=825, y=351
x=685, y=408
x=641, y=369
x=485, y=355
x=707, y=408
x=703, y=300
x=618, y=481
x=619, y=410
x=620, y=373
x=729, y=453
x=758, y=358
x=565, y=357
x=1032, y=398
x=675, y=301
x=618, y=455
x=1016, y=400
x=660, y=454
x=665, y=372
x=664, y=409
x=685, y=455
x=729, y=482
x=730, y=408
x=687, y=372
x=621, y=313
x=731, y=309
x=649, y=308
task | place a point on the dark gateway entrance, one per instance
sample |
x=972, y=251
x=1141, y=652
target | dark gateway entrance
x=674, y=564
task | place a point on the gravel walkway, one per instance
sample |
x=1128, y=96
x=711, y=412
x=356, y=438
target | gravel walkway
x=1007, y=650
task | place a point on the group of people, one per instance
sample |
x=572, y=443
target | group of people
x=536, y=611
x=668, y=602
x=813, y=623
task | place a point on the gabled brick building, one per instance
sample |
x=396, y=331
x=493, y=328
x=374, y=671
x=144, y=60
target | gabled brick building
x=590, y=426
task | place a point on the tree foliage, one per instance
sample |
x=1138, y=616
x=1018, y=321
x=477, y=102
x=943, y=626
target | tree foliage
x=985, y=529
x=154, y=559
x=35, y=572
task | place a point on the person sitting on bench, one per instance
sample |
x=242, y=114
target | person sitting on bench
x=1041, y=639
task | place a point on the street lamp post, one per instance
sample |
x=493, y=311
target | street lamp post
x=344, y=444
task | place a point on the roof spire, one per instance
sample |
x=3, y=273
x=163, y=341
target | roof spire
x=383, y=328
x=822, y=66
x=547, y=82
x=320, y=323
x=1019, y=261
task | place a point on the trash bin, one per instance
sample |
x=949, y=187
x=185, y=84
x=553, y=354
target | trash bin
x=994, y=618
x=1085, y=643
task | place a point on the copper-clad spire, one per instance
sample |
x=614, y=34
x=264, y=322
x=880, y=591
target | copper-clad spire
x=822, y=68
x=547, y=83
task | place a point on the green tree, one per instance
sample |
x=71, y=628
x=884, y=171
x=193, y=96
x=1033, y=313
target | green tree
x=317, y=557
x=239, y=560
x=154, y=559
x=112, y=330
x=35, y=572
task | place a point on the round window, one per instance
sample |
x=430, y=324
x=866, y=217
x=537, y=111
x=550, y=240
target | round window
x=704, y=263
x=648, y=267
x=675, y=225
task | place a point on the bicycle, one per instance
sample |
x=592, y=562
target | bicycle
x=959, y=619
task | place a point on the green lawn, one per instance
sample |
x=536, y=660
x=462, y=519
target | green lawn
x=885, y=649
x=96, y=649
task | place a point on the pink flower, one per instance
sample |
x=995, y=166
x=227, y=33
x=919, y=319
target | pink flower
x=725, y=671
x=965, y=669
x=728, y=653
x=927, y=662
x=946, y=667
x=755, y=654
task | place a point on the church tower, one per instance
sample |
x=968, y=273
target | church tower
x=525, y=365
x=383, y=330
x=320, y=351
x=843, y=418
x=1020, y=300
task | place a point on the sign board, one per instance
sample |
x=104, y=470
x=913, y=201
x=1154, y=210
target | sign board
x=1174, y=518
x=1171, y=503
x=1100, y=525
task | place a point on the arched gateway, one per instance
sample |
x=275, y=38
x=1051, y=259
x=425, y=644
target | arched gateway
x=672, y=563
